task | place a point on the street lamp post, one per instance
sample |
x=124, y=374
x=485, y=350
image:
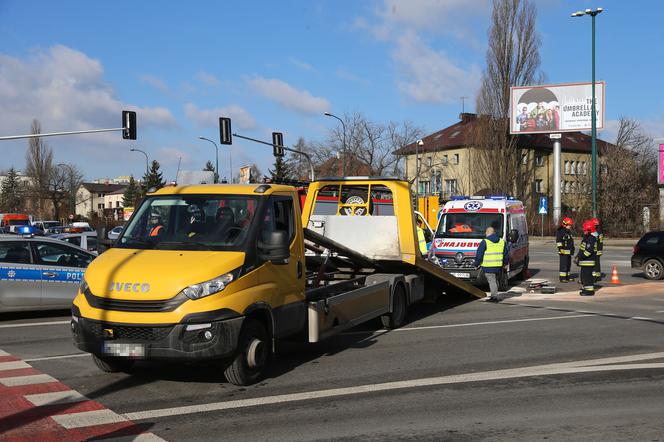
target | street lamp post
x=593, y=118
x=418, y=144
x=216, y=153
x=343, y=125
x=147, y=161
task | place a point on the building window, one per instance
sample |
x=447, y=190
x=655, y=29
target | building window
x=455, y=159
x=429, y=162
x=538, y=186
x=117, y=204
x=584, y=168
x=573, y=187
x=451, y=186
x=572, y=167
x=566, y=167
x=579, y=169
x=99, y=195
x=437, y=182
x=524, y=158
x=100, y=206
x=445, y=159
x=539, y=160
x=424, y=187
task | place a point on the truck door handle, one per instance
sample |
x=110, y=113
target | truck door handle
x=299, y=269
x=49, y=274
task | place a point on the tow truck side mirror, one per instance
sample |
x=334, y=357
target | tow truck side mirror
x=513, y=235
x=275, y=248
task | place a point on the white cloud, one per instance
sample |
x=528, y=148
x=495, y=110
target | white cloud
x=301, y=64
x=349, y=76
x=423, y=73
x=210, y=117
x=286, y=95
x=429, y=76
x=207, y=79
x=65, y=90
x=155, y=82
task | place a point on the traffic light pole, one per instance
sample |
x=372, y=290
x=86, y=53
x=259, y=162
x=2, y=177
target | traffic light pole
x=304, y=154
x=54, y=134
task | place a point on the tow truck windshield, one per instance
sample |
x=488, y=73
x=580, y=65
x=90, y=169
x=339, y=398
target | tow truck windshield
x=469, y=225
x=190, y=222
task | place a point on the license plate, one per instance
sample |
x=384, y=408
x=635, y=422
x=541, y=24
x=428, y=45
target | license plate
x=123, y=350
x=460, y=275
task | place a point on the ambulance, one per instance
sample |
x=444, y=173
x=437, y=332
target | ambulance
x=461, y=227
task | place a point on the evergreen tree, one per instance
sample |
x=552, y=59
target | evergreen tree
x=209, y=167
x=153, y=178
x=11, y=192
x=132, y=193
x=282, y=169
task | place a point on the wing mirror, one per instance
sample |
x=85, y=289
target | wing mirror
x=274, y=247
x=513, y=235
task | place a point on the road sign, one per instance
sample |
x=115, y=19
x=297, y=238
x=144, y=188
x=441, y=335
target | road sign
x=71, y=216
x=543, y=205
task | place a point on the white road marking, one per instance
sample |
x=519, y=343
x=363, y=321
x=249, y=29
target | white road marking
x=465, y=324
x=641, y=318
x=659, y=311
x=27, y=380
x=143, y=437
x=13, y=365
x=3, y=353
x=88, y=418
x=56, y=397
x=34, y=324
x=47, y=358
x=586, y=366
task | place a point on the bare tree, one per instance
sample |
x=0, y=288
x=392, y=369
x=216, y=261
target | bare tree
x=512, y=60
x=39, y=167
x=628, y=179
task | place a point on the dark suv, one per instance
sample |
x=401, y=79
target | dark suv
x=649, y=255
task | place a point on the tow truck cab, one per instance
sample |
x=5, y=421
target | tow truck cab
x=461, y=228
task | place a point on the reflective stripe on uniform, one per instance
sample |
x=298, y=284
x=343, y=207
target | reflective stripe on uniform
x=564, y=252
x=493, y=255
x=587, y=263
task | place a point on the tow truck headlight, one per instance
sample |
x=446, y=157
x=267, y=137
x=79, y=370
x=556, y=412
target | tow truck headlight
x=207, y=288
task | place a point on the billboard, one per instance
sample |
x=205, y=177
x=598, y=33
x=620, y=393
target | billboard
x=660, y=173
x=555, y=108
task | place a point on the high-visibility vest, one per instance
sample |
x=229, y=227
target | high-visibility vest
x=493, y=255
x=422, y=241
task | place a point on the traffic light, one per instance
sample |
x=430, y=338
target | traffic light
x=277, y=144
x=129, y=125
x=225, y=134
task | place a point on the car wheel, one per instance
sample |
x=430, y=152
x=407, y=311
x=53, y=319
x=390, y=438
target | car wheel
x=357, y=197
x=653, y=269
x=252, y=355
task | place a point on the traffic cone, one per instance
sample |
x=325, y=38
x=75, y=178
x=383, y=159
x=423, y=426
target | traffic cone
x=614, y=276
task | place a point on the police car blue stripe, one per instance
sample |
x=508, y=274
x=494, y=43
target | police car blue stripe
x=35, y=275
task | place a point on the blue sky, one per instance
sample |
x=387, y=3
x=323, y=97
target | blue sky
x=279, y=65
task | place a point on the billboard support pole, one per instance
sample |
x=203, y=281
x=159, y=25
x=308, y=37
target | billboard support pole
x=556, y=177
x=594, y=126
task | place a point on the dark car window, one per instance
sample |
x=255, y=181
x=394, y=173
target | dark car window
x=74, y=240
x=15, y=252
x=652, y=239
x=61, y=255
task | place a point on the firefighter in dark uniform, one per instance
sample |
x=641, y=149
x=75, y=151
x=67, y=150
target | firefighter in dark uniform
x=586, y=259
x=597, y=272
x=565, y=244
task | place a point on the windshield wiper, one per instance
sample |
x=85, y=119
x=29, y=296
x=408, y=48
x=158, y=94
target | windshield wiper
x=135, y=242
x=173, y=245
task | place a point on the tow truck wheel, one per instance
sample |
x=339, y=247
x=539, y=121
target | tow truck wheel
x=112, y=365
x=399, y=309
x=253, y=354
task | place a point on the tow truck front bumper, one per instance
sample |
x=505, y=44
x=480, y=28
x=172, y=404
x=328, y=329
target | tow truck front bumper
x=191, y=341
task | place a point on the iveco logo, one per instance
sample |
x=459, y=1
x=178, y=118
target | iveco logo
x=129, y=287
x=472, y=206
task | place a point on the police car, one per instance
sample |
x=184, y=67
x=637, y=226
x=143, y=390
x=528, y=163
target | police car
x=39, y=273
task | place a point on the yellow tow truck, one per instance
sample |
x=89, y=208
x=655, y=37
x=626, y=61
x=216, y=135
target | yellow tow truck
x=220, y=272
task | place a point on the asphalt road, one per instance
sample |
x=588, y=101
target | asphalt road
x=532, y=367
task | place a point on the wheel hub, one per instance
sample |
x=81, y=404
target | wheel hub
x=255, y=353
